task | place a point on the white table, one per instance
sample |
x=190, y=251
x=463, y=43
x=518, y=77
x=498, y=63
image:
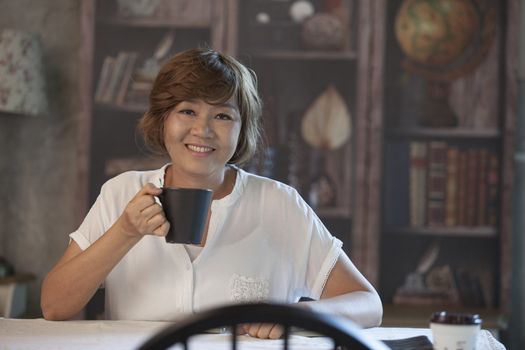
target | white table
x=71, y=335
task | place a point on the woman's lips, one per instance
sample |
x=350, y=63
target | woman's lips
x=200, y=149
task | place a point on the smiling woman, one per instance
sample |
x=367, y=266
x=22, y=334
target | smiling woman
x=211, y=77
x=262, y=242
x=200, y=139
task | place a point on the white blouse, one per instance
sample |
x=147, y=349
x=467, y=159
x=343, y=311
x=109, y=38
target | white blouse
x=264, y=244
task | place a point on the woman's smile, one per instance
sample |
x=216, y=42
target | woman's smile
x=199, y=151
x=201, y=137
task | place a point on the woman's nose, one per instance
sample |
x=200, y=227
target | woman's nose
x=202, y=127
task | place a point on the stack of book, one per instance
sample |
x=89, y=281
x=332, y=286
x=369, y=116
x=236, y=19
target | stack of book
x=452, y=186
x=116, y=78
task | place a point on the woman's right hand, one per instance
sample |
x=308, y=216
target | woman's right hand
x=143, y=215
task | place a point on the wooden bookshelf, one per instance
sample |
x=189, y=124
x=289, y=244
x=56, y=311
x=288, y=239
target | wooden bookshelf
x=484, y=127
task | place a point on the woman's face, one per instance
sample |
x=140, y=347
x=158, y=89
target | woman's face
x=200, y=138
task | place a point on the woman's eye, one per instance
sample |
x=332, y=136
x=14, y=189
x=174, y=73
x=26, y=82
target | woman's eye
x=187, y=111
x=223, y=116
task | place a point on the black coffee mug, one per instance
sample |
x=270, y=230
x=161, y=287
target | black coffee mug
x=186, y=209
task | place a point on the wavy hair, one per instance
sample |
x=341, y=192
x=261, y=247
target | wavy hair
x=213, y=77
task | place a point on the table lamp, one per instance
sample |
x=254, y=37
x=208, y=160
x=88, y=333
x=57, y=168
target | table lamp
x=22, y=84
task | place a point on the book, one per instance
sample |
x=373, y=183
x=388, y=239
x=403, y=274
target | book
x=105, y=74
x=116, y=77
x=436, y=187
x=492, y=189
x=469, y=286
x=126, y=78
x=482, y=187
x=472, y=186
x=420, y=342
x=451, y=200
x=417, y=183
x=461, y=212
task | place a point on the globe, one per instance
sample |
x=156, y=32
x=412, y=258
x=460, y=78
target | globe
x=436, y=35
x=445, y=35
x=442, y=41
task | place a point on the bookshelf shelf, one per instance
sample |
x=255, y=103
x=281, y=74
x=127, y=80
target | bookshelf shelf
x=418, y=316
x=338, y=212
x=459, y=231
x=152, y=23
x=305, y=55
x=132, y=108
x=444, y=133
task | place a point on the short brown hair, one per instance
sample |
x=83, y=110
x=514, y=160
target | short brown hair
x=214, y=77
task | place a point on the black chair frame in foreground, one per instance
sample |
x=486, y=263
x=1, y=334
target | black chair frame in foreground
x=344, y=333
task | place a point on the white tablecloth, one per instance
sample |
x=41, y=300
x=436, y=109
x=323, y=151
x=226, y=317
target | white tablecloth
x=72, y=335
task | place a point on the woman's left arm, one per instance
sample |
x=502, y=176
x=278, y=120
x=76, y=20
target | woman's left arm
x=348, y=293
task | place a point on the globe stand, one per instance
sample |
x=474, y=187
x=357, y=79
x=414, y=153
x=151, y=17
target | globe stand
x=436, y=110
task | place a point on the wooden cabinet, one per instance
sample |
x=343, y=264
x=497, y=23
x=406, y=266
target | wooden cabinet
x=445, y=229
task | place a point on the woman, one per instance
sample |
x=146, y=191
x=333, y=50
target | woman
x=262, y=241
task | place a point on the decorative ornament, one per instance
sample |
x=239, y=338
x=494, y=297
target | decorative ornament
x=327, y=123
x=263, y=18
x=137, y=8
x=301, y=10
x=323, y=31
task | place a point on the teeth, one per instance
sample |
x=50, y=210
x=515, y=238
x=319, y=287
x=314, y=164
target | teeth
x=200, y=149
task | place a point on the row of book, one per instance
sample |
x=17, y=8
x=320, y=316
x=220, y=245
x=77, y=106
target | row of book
x=120, y=82
x=450, y=186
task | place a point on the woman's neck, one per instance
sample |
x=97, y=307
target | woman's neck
x=221, y=185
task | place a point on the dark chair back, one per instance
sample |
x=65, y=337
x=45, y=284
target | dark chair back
x=344, y=333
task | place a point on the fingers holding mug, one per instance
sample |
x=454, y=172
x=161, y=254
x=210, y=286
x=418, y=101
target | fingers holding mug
x=163, y=229
x=136, y=217
x=158, y=224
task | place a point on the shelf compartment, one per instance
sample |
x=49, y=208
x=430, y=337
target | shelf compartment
x=153, y=23
x=131, y=108
x=444, y=133
x=304, y=55
x=456, y=231
x=336, y=212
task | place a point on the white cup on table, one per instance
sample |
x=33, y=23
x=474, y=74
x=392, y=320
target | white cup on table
x=455, y=331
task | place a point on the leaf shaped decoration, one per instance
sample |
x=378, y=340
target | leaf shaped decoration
x=327, y=123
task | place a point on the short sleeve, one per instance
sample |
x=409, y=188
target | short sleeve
x=324, y=250
x=95, y=224
x=315, y=248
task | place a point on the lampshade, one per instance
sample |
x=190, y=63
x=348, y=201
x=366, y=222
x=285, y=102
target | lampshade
x=22, y=84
